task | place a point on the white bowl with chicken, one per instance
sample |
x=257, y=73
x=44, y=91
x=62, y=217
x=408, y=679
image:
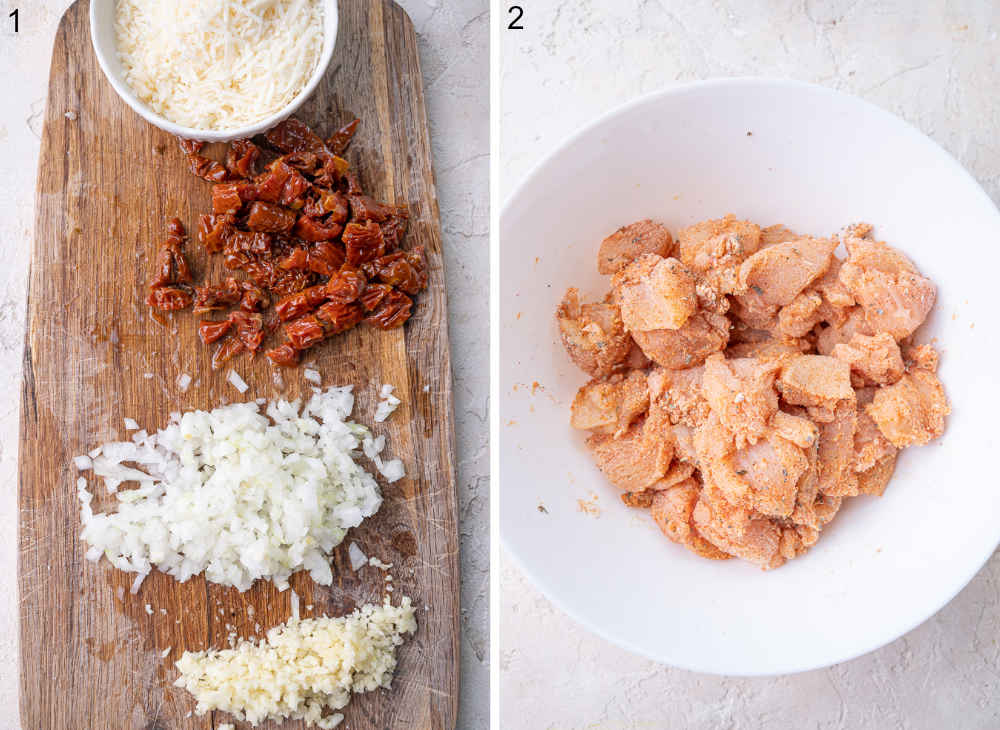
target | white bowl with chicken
x=810, y=160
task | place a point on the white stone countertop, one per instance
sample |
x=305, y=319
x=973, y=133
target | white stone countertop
x=932, y=63
x=454, y=53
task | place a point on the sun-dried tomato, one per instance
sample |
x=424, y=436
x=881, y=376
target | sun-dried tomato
x=373, y=295
x=284, y=355
x=230, y=197
x=366, y=208
x=394, y=229
x=202, y=166
x=292, y=135
x=249, y=329
x=171, y=267
x=297, y=258
x=241, y=157
x=392, y=311
x=405, y=270
x=304, y=332
x=295, y=305
x=213, y=230
x=215, y=297
x=210, y=332
x=325, y=258
x=363, y=242
x=346, y=286
x=337, y=317
x=254, y=242
x=314, y=230
x=169, y=298
x=342, y=137
x=230, y=348
x=284, y=283
x=269, y=218
x=254, y=298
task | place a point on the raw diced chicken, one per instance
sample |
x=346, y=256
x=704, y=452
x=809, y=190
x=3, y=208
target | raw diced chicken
x=797, y=318
x=677, y=473
x=782, y=349
x=742, y=394
x=632, y=241
x=610, y=406
x=834, y=334
x=655, y=293
x=677, y=393
x=634, y=460
x=672, y=510
x=800, y=431
x=815, y=380
x=921, y=357
x=737, y=530
x=778, y=273
x=753, y=310
x=876, y=359
x=912, y=410
x=776, y=234
x=831, y=288
x=701, y=335
x=895, y=297
x=870, y=445
x=684, y=442
x=772, y=468
x=593, y=334
x=836, y=451
x=715, y=249
x=875, y=480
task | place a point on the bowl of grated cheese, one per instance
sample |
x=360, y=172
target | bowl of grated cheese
x=214, y=70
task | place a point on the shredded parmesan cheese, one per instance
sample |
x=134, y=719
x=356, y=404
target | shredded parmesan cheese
x=303, y=668
x=218, y=64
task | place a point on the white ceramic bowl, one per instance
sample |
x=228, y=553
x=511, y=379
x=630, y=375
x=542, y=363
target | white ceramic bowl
x=770, y=151
x=102, y=35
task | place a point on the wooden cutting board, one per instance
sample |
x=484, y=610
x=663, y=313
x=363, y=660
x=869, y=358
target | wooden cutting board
x=107, y=182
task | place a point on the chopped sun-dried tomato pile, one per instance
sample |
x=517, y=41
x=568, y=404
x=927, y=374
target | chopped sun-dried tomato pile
x=319, y=256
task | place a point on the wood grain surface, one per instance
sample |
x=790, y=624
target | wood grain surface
x=107, y=182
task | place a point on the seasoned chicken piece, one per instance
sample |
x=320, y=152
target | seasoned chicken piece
x=715, y=249
x=683, y=436
x=870, y=444
x=634, y=460
x=876, y=479
x=655, y=293
x=815, y=380
x=876, y=359
x=678, y=395
x=736, y=530
x=773, y=349
x=593, y=334
x=610, y=406
x=635, y=359
x=800, y=431
x=771, y=468
x=632, y=241
x=701, y=335
x=677, y=473
x=776, y=234
x=852, y=324
x=752, y=310
x=778, y=273
x=836, y=451
x=912, y=410
x=797, y=318
x=894, y=296
x=672, y=510
x=921, y=357
x=832, y=289
x=742, y=394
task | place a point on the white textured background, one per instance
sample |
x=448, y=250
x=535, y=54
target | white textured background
x=454, y=55
x=933, y=63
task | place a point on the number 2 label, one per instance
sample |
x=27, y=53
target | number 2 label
x=518, y=12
